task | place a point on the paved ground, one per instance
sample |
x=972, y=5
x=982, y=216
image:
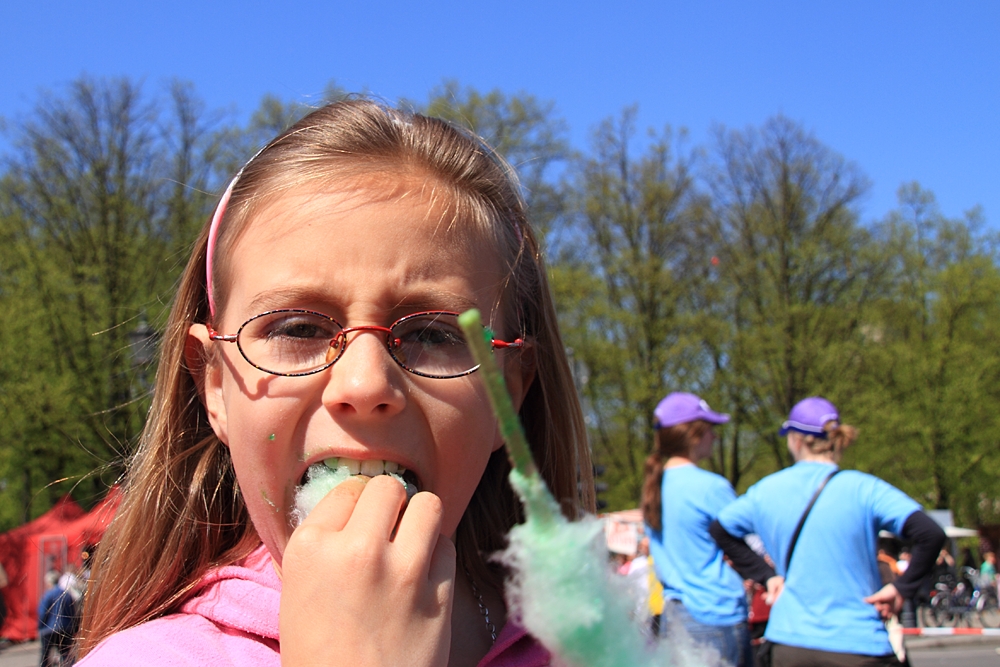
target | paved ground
x=962, y=656
x=20, y=655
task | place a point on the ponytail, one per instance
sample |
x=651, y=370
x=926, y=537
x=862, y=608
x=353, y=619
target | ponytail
x=670, y=441
x=652, y=480
x=838, y=438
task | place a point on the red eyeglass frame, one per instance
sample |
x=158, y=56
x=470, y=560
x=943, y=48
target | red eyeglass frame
x=342, y=337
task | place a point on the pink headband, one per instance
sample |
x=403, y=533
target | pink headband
x=213, y=235
x=213, y=230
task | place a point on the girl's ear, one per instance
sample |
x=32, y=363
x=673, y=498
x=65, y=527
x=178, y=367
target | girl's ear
x=518, y=374
x=207, y=374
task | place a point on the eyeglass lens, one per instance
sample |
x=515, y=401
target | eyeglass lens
x=296, y=342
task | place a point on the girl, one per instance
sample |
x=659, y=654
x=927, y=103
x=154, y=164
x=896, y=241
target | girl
x=315, y=325
x=679, y=501
x=829, y=602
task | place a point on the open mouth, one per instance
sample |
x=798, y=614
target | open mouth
x=323, y=477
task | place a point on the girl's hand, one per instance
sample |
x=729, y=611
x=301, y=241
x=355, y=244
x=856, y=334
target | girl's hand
x=887, y=601
x=775, y=585
x=359, y=589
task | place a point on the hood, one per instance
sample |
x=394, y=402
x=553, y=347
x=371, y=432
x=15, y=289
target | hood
x=244, y=596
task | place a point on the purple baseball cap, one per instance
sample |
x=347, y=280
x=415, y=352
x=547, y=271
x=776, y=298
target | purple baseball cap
x=681, y=407
x=809, y=416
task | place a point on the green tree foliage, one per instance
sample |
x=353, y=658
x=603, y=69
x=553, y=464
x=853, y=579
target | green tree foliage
x=930, y=374
x=624, y=270
x=749, y=278
x=100, y=201
x=796, y=271
x=741, y=271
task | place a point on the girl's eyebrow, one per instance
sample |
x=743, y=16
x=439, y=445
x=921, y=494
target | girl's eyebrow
x=419, y=299
x=284, y=297
x=434, y=299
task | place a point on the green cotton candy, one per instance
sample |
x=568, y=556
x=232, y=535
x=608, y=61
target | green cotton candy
x=565, y=595
x=321, y=480
x=560, y=587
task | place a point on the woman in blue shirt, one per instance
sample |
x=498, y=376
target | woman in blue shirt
x=703, y=594
x=828, y=601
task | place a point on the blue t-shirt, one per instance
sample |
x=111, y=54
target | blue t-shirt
x=834, y=566
x=685, y=556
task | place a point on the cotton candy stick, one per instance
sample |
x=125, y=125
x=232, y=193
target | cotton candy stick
x=560, y=587
x=535, y=494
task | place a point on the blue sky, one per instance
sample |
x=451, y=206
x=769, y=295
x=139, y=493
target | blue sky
x=907, y=90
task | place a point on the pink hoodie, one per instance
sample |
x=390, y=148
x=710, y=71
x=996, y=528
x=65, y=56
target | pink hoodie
x=233, y=620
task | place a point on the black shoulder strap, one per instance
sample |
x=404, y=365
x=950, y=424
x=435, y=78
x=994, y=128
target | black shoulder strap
x=798, y=528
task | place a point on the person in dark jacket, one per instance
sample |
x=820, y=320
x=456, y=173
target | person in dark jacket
x=56, y=621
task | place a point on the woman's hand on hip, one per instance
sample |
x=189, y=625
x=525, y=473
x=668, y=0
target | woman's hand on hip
x=887, y=601
x=775, y=585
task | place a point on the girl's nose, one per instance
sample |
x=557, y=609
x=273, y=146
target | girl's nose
x=365, y=381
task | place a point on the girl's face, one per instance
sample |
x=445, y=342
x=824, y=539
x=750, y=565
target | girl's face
x=794, y=445
x=703, y=448
x=362, y=258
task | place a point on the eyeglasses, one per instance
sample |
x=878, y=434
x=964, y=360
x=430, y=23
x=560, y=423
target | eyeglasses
x=293, y=342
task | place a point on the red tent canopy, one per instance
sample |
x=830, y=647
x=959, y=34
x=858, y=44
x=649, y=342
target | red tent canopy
x=52, y=541
x=89, y=528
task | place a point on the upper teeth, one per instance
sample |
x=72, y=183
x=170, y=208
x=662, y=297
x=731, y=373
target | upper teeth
x=369, y=467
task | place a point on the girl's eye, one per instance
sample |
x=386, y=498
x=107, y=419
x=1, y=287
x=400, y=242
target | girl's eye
x=295, y=326
x=432, y=344
x=429, y=333
x=297, y=330
x=289, y=342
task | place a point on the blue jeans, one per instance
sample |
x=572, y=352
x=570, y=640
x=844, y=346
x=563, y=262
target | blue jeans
x=731, y=641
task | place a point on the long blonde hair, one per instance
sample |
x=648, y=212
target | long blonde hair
x=182, y=512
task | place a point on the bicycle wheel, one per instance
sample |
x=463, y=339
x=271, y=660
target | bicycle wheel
x=943, y=613
x=925, y=616
x=989, y=610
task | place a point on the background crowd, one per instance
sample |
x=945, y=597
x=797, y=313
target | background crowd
x=720, y=565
